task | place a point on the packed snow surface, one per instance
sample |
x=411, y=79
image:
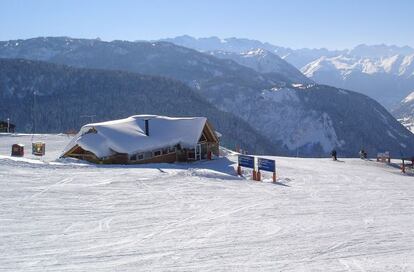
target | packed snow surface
x=128, y=135
x=321, y=215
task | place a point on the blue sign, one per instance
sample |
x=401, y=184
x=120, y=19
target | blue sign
x=246, y=161
x=266, y=165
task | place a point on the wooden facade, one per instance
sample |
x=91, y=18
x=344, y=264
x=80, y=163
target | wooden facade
x=207, y=145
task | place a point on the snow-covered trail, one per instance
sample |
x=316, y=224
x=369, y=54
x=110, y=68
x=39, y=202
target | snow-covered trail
x=322, y=216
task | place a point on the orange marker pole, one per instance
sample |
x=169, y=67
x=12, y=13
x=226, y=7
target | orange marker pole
x=239, y=172
x=274, y=177
x=258, y=176
x=254, y=175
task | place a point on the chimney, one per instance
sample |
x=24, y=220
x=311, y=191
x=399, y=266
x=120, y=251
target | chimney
x=147, y=127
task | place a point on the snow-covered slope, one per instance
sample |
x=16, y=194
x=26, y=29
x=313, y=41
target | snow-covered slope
x=405, y=112
x=264, y=61
x=406, y=107
x=383, y=72
x=311, y=120
x=297, y=57
x=351, y=215
x=397, y=65
x=408, y=122
x=386, y=79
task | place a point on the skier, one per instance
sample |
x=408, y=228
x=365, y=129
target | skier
x=333, y=154
x=362, y=154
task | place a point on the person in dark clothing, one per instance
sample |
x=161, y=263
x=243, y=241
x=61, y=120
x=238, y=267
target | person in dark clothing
x=362, y=154
x=333, y=154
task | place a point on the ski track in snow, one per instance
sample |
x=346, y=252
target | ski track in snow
x=321, y=216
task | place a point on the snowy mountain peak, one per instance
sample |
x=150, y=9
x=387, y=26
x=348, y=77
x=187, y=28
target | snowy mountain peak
x=256, y=52
x=409, y=98
x=380, y=50
x=264, y=61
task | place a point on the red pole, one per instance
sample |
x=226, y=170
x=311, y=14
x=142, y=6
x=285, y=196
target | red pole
x=239, y=172
x=258, y=176
x=254, y=175
x=274, y=177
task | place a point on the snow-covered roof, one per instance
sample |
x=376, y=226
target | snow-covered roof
x=128, y=135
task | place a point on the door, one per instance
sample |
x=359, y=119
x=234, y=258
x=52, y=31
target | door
x=198, y=152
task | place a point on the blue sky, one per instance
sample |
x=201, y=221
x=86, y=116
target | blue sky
x=292, y=23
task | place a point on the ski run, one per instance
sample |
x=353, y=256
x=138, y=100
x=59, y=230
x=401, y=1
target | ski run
x=321, y=215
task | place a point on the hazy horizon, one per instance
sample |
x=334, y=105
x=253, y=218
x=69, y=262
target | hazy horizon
x=221, y=38
x=334, y=25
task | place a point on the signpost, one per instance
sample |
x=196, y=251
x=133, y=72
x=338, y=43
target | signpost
x=266, y=165
x=262, y=164
x=246, y=161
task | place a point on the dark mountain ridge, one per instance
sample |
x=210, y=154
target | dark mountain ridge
x=56, y=98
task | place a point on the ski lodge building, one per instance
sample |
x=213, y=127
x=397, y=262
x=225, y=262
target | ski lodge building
x=145, y=139
x=7, y=127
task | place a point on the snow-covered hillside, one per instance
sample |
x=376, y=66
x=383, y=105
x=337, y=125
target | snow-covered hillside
x=387, y=78
x=396, y=65
x=405, y=112
x=408, y=123
x=264, y=61
x=350, y=215
x=383, y=72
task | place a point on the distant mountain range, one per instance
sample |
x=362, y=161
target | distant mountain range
x=385, y=73
x=264, y=62
x=292, y=115
x=386, y=79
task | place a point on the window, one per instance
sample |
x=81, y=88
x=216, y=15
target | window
x=137, y=157
x=165, y=151
x=157, y=153
x=171, y=149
